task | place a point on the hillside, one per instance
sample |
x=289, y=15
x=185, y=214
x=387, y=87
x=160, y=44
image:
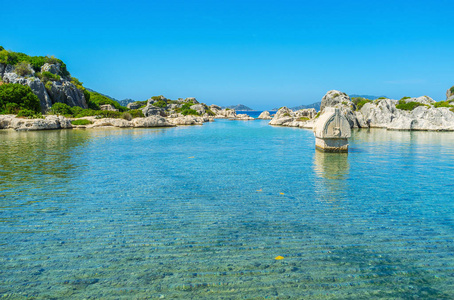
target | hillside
x=240, y=107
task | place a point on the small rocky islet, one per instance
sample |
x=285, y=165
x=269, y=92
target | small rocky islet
x=39, y=93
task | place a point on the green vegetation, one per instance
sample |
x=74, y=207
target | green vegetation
x=408, y=105
x=81, y=122
x=136, y=113
x=381, y=98
x=80, y=86
x=36, y=62
x=160, y=103
x=79, y=112
x=48, y=76
x=17, y=97
x=336, y=95
x=303, y=119
x=405, y=98
x=28, y=113
x=443, y=104
x=318, y=114
x=186, y=109
x=23, y=68
x=96, y=99
x=287, y=115
x=359, y=102
x=61, y=109
x=452, y=89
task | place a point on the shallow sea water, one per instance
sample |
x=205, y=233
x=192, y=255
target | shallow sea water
x=201, y=212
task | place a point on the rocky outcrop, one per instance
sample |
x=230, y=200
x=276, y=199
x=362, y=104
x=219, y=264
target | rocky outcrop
x=265, y=115
x=384, y=114
x=335, y=98
x=52, y=68
x=151, y=110
x=36, y=86
x=303, y=118
x=66, y=92
x=21, y=124
x=152, y=121
x=108, y=107
x=57, y=91
x=134, y=105
x=450, y=94
x=121, y=123
x=186, y=120
x=199, y=108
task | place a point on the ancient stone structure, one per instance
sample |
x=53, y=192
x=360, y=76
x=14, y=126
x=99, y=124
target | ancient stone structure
x=332, y=131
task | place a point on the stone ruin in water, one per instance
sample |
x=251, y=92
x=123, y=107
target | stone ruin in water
x=332, y=131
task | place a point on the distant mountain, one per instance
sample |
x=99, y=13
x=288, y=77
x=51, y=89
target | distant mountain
x=315, y=105
x=370, y=97
x=123, y=102
x=240, y=107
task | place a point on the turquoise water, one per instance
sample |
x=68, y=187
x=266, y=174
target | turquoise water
x=202, y=212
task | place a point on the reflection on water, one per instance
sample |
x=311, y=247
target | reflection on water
x=202, y=212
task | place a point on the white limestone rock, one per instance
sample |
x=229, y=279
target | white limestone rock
x=108, y=107
x=265, y=115
x=152, y=121
x=66, y=92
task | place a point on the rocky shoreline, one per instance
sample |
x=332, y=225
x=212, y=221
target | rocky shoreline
x=421, y=113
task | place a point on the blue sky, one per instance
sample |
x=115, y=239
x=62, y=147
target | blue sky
x=259, y=53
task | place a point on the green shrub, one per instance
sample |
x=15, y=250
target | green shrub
x=48, y=76
x=157, y=97
x=48, y=85
x=19, y=94
x=84, y=112
x=189, y=111
x=160, y=103
x=8, y=57
x=382, y=98
x=97, y=99
x=23, y=69
x=408, y=105
x=404, y=98
x=210, y=112
x=28, y=113
x=81, y=122
x=359, y=102
x=136, y=113
x=1, y=48
x=303, y=119
x=126, y=116
x=452, y=90
x=318, y=114
x=61, y=109
x=108, y=114
x=442, y=104
x=11, y=108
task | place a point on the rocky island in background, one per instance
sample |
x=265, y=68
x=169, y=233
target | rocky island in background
x=38, y=92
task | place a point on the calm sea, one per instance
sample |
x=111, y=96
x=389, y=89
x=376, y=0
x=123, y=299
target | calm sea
x=202, y=212
x=254, y=113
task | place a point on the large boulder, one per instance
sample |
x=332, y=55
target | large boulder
x=199, y=108
x=186, y=120
x=151, y=110
x=152, y=121
x=121, y=123
x=52, y=68
x=265, y=115
x=335, y=98
x=66, y=92
x=133, y=105
x=108, y=107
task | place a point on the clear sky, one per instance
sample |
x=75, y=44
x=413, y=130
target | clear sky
x=260, y=53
